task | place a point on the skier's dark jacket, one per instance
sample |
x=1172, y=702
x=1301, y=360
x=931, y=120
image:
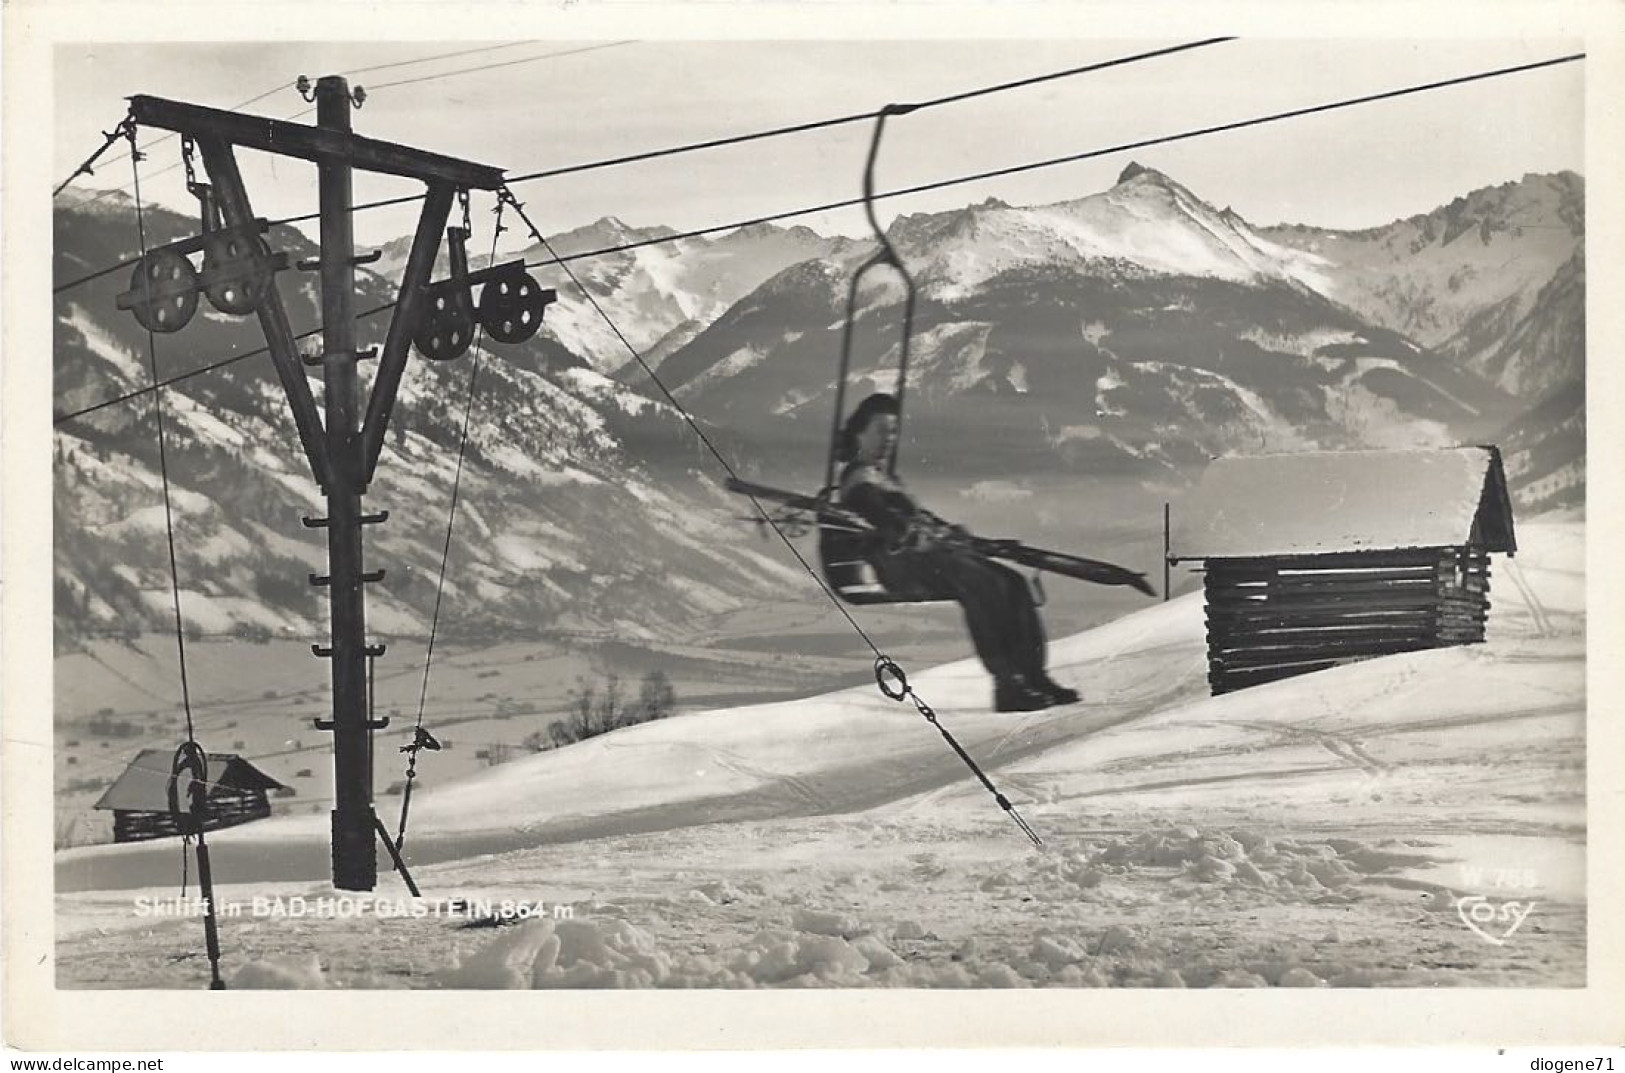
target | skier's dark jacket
x=900, y=523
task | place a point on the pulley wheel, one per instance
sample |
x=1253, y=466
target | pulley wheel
x=447, y=326
x=511, y=307
x=239, y=271
x=164, y=289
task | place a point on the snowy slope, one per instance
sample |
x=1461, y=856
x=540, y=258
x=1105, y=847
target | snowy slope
x=1333, y=829
x=1143, y=678
x=1329, y=829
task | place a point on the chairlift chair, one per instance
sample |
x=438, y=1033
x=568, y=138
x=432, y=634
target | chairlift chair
x=842, y=548
x=846, y=540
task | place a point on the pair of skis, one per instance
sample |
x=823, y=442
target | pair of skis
x=1074, y=566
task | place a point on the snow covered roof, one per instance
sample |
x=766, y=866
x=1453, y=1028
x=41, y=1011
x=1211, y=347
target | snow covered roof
x=1323, y=502
x=144, y=786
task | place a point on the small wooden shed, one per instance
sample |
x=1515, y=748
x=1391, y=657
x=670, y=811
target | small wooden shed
x=139, y=798
x=1316, y=559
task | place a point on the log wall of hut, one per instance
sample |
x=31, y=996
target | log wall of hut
x=225, y=810
x=1270, y=618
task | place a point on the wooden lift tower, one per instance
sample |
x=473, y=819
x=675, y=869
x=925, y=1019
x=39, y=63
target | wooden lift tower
x=342, y=443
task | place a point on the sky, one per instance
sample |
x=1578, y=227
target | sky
x=546, y=104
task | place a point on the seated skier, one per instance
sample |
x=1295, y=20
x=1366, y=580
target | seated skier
x=915, y=550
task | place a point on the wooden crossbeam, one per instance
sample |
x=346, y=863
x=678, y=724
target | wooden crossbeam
x=312, y=143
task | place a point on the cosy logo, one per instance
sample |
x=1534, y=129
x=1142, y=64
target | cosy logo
x=1494, y=922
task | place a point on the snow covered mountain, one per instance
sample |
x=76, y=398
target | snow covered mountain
x=1543, y=358
x=660, y=295
x=1146, y=219
x=1462, y=278
x=1495, y=281
x=557, y=455
x=1544, y=353
x=1125, y=336
x=1545, y=453
x=1136, y=331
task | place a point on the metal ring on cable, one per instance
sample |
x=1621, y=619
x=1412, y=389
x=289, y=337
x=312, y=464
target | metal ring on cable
x=885, y=669
x=190, y=758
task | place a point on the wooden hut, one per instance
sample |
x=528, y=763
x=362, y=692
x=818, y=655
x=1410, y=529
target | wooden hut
x=1316, y=559
x=139, y=799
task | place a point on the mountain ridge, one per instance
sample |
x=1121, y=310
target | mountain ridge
x=1112, y=341
x=1146, y=233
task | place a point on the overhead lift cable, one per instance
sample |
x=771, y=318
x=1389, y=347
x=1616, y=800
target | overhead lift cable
x=858, y=117
x=1072, y=158
x=385, y=85
x=1274, y=117
x=190, y=759
x=1032, y=166
x=653, y=154
x=421, y=738
x=437, y=56
x=799, y=128
x=519, y=209
x=885, y=668
x=110, y=191
x=830, y=206
x=504, y=63
x=84, y=169
x=851, y=202
x=200, y=370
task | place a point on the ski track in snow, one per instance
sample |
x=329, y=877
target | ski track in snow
x=1312, y=832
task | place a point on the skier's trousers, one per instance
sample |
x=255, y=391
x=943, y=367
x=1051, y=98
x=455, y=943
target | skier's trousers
x=999, y=611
